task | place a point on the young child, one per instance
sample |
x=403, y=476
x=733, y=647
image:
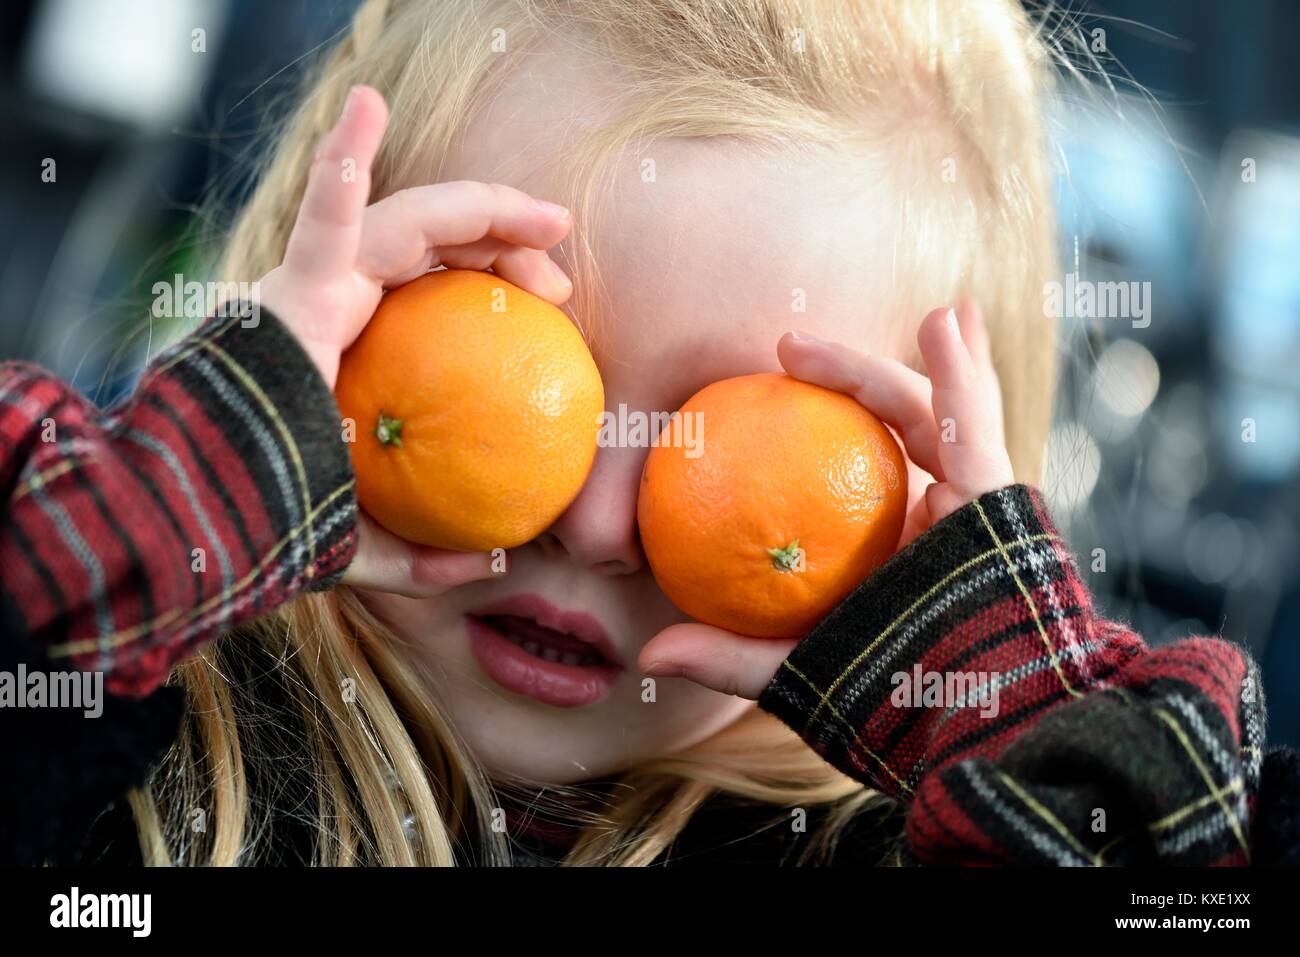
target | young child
x=734, y=171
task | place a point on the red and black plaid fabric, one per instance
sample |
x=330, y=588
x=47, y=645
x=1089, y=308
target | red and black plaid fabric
x=131, y=536
x=218, y=490
x=1098, y=750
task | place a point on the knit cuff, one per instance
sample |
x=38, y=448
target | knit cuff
x=258, y=469
x=905, y=673
x=289, y=434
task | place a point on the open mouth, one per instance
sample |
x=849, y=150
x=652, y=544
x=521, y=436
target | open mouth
x=530, y=647
x=545, y=643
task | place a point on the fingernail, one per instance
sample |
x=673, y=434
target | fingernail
x=349, y=103
x=805, y=337
x=952, y=324
x=552, y=209
x=663, y=669
x=560, y=275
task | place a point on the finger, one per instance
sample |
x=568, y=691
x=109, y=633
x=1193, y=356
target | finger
x=969, y=428
x=974, y=332
x=327, y=232
x=890, y=390
x=716, y=659
x=385, y=562
x=941, y=500
x=402, y=230
x=970, y=320
x=947, y=360
x=531, y=269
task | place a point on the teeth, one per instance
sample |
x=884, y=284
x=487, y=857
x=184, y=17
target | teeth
x=584, y=659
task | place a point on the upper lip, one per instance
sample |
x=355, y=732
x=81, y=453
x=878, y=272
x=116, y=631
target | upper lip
x=581, y=625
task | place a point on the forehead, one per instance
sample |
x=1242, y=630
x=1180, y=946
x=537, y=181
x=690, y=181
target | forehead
x=705, y=235
x=701, y=244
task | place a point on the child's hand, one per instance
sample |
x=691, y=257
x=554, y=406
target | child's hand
x=950, y=425
x=343, y=254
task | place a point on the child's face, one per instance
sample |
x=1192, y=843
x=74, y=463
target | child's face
x=705, y=267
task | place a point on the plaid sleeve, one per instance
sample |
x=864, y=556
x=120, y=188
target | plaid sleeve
x=219, y=489
x=971, y=678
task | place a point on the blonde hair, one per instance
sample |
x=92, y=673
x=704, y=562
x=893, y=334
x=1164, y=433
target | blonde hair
x=319, y=696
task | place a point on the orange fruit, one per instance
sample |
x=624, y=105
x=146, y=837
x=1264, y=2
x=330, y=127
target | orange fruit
x=477, y=408
x=795, y=495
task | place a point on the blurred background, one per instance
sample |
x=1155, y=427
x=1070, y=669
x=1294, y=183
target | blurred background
x=1173, y=465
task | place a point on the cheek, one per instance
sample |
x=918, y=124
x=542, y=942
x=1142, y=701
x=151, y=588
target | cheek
x=423, y=621
x=681, y=715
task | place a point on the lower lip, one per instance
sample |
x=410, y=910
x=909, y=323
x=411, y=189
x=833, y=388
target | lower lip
x=550, y=682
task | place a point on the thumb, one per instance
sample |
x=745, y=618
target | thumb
x=716, y=659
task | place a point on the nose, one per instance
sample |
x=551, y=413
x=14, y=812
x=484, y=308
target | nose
x=599, y=529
